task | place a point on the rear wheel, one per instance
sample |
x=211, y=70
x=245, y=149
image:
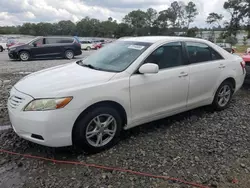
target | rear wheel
x=69, y=54
x=1, y=48
x=223, y=96
x=88, y=48
x=24, y=56
x=98, y=129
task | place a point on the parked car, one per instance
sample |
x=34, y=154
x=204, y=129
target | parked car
x=11, y=42
x=226, y=46
x=130, y=82
x=97, y=45
x=2, y=46
x=246, y=58
x=44, y=47
x=87, y=45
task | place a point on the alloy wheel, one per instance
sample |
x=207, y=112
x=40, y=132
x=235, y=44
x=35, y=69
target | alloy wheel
x=224, y=95
x=24, y=56
x=101, y=130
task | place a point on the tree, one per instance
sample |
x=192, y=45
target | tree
x=191, y=12
x=211, y=37
x=231, y=40
x=192, y=32
x=214, y=18
x=137, y=19
x=237, y=12
x=151, y=19
x=66, y=27
x=245, y=40
x=123, y=30
x=151, y=16
x=219, y=40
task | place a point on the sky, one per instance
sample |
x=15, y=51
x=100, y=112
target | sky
x=16, y=12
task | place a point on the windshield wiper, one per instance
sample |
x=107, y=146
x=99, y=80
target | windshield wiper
x=80, y=62
x=90, y=66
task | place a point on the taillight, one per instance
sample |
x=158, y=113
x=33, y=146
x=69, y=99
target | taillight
x=243, y=66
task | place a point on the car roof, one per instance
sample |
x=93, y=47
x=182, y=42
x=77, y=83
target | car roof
x=57, y=36
x=154, y=39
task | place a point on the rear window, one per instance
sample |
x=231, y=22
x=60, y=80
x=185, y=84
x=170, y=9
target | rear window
x=85, y=42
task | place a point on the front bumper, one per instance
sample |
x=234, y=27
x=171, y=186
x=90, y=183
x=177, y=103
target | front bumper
x=53, y=127
x=13, y=55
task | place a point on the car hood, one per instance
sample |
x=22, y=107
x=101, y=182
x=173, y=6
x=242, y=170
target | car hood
x=60, y=80
x=17, y=45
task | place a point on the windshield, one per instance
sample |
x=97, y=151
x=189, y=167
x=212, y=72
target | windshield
x=115, y=57
x=32, y=40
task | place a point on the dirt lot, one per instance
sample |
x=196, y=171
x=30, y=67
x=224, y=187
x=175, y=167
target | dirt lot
x=202, y=146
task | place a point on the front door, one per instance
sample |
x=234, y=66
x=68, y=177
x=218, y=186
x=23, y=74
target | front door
x=157, y=95
x=38, y=48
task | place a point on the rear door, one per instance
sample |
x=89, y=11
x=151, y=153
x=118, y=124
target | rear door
x=206, y=66
x=66, y=43
x=53, y=46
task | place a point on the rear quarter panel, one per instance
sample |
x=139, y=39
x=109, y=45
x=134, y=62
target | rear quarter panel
x=233, y=70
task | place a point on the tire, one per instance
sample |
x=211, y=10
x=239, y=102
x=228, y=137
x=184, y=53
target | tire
x=1, y=49
x=223, y=96
x=24, y=56
x=88, y=48
x=69, y=54
x=87, y=125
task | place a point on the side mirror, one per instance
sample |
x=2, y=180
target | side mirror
x=35, y=45
x=149, y=68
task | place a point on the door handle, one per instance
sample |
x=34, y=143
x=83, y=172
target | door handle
x=222, y=66
x=183, y=74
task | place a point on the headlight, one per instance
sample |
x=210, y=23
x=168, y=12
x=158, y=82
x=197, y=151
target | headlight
x=12, y=49
x=47, y=104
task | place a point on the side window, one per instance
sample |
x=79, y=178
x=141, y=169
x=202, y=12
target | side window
x=51, y=40
x=38, y=42
x=167, y=56
x=65, y=40
x=215, y=55
x=199, y=52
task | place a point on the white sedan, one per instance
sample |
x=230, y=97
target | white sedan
x=127, y=83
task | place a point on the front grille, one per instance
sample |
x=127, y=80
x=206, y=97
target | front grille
x=15, y=101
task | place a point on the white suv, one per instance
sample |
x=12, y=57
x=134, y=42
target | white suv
x=127, y=83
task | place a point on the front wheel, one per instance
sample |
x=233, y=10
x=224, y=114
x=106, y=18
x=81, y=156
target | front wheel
x=1, y=48
x=223, y=96
x=88, y=48
x=24, y=56
x=97, y=130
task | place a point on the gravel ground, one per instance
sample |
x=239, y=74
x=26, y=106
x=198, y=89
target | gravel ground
x=203, y=146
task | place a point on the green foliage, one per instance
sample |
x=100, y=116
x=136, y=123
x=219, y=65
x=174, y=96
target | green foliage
x=191, y=12
x=231, y=40
x=238, y=10
x=176, y=18
x=245, y=41
x=192, y=32
x=219, y=40
x=214, y=18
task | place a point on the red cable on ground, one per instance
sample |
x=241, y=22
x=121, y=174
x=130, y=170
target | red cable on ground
x=105, y=168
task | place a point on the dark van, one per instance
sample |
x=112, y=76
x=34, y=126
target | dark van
x=46, y=47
